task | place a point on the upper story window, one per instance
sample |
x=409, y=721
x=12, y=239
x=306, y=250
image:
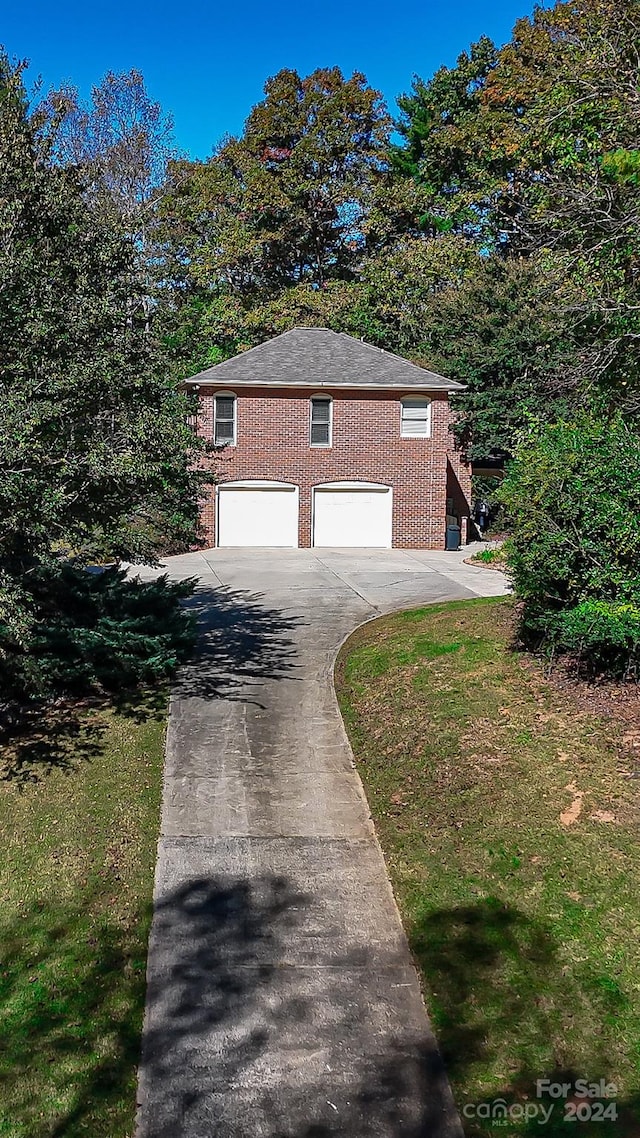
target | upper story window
x=224, y=419
x=415, y=417
x=321, y=418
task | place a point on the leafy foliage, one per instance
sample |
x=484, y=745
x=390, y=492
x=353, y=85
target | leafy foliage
x=504, y=335
x=96, y=457
x=120, y=141
x=573, y=499
x=94, y=632
x=529, y=151
x=439, y=125
x=563, y=100
x=277, y=213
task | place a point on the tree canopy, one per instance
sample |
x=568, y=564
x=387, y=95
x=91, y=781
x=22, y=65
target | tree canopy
x=506, y=202
x=489, y=233
x=96, y=457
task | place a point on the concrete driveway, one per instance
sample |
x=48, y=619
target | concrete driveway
x=282, y=998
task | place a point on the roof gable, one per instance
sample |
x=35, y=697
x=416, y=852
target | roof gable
x=318, y=357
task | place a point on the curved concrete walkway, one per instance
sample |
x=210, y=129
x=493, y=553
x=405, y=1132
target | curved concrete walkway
x=282, y=998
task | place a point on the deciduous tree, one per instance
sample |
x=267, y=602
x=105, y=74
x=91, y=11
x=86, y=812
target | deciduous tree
x=121, y=141
x=96, y=458
x=281, y=209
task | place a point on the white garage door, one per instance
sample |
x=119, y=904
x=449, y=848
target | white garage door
x=352, y=514
x=258, y=513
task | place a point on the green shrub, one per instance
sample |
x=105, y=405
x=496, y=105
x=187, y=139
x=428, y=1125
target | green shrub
x=572, y=499
x=93, y=632
x=489, y=556
x=602, y=630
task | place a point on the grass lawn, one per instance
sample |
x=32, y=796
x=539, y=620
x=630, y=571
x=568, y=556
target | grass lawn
x=507, y=805
x=79, y=816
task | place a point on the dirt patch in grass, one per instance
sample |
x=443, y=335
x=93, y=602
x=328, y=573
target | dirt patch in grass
x=79, y=816
x=507, y=804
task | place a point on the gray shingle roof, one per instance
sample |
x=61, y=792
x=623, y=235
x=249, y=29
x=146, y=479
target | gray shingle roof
x=317, y=357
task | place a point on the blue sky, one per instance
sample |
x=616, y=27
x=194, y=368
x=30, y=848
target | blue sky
x=207, y=62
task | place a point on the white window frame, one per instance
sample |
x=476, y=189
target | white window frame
x=324, y=398
x=414, y=398
x=226, y=395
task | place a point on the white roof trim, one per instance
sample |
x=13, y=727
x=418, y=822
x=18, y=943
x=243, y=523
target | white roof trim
x=353, y=486
x=257, y=484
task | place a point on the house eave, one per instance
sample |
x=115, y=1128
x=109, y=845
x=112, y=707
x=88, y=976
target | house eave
x=198, y=382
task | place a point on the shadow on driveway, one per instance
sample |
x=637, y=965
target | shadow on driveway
x=241, y=642
x=225, y=998
x=70, y=1040
x=227, y=978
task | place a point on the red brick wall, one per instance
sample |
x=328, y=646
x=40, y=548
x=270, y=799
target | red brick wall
x=273, y=443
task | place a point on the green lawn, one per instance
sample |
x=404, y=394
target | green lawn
x=507, y=805
x=79, y=816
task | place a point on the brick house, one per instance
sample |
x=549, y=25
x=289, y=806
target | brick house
x=329, y=441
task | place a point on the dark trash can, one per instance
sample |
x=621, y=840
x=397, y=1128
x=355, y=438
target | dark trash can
x=453, y=538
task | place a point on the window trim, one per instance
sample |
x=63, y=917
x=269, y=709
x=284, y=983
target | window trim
x=324, y=398
x=226, y=395
x=412, y=397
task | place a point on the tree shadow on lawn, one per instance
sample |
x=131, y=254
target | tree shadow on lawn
x=72, y=986
x=223, y=990
x=501, y=995
x=72, y=989
x=240, y=642
x=237, y=1044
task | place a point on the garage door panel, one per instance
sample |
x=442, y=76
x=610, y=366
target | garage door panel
x=258, y=515
x=352, y=516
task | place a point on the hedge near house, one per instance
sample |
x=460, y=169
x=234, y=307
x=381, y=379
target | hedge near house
x=572, y=496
